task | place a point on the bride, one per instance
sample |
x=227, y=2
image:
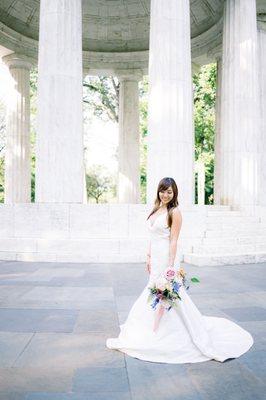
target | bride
x=183, y=334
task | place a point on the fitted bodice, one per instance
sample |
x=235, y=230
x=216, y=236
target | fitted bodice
x=159, y=244
x=159, y=228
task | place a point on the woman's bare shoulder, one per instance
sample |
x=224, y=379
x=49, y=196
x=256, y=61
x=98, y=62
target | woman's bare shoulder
x=177, y=213
x=176, y=210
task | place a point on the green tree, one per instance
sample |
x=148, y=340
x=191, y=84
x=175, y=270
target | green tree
x=2, y=150
x=102, y=95
x=143, y=110
x=204, y=120
x=33, y=114
x=99, y=182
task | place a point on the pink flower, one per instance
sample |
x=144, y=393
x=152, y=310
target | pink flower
x=169, y=274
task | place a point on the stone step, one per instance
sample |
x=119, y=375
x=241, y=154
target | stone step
x=224, y=259
x=229, y=249
x=236, y=232
x=218, y=208
x=214, y=213
x=241, y=225
x=225, y=218
x=224, y=241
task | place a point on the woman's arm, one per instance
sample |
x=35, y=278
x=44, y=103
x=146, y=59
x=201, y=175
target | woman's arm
x=148, y=261
x=174, y=233
x=149, y=249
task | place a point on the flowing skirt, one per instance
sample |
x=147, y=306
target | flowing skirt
x=184, y=334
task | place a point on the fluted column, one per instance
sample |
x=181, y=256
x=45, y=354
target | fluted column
x=17, y=156
x=59, y=148
x=85, y=194
x=170, y=134
x=239, y=106
x=129, y=141
x=217, y=144
x=262, y=140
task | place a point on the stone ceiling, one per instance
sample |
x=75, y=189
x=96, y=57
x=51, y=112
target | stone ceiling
x=109, y=25
x=112, y=26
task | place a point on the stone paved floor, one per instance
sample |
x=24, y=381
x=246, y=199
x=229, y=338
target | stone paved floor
x=54, y=319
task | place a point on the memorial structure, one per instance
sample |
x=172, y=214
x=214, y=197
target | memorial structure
x=169, y=40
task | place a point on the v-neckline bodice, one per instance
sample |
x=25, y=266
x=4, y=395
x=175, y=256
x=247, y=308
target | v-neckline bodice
x=152, y=224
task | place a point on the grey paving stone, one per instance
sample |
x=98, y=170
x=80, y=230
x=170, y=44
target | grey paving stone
x=159, y=381
x=229, y=380
x=19, y=320
x=121, y=267
x=64, y=305
x=77, y=396
x=255, y=361
x=11, y=345
x=100, y=380
x=46, y=274
x=63, y=297
x=97, y=321
x=218, y=285
x=124, y=289
x=259, y=298
x=44, y=363
x=51, y=350
x=19, y=380
x=214, y=312
x=12, y=396
x=17, y=266
x=129, y=283
x=222, y=300
x=8, y=282
x=247, y=313
x=122, y=316
x=124, y=303
x=256, y=328
x=74, y=294
x=12, y=293
x=88, y=280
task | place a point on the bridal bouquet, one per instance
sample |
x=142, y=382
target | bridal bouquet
x=165, y=291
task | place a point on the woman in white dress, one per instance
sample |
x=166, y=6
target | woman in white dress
x=184, y=335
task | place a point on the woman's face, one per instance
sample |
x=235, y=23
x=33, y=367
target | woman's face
x=166, y=195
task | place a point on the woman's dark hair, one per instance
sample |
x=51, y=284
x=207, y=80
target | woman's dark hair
x=164, y=184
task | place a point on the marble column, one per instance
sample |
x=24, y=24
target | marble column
x=170, y=133
x=200, y=169
x=129, y=140
x=217, y=144
x=239, y=106
x=85, y=194
x=59, y=147
x=17, y=156
x=262, y=139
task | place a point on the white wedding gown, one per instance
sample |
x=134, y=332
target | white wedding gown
x=184, y=335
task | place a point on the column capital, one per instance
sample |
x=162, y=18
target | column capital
x=129, y=74
x=17, y=61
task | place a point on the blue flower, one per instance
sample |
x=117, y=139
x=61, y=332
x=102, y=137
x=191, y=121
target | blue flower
x=176, y=287
x=155, y=302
